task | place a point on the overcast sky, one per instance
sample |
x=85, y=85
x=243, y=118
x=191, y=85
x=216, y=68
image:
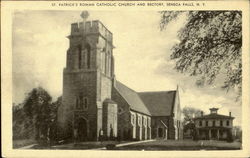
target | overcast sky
x=141, y=56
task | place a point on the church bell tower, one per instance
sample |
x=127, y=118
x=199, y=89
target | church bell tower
x=87, y=80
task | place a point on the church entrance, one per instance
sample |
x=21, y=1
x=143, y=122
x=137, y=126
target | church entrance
x=82, y=129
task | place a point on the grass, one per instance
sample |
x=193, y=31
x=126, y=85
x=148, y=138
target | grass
x=152, y=145
x=183, y=145
x=79, y=145
x=22, y=142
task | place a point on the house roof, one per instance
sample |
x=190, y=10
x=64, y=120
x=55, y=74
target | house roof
x=132, y=98
x=159, y=103
x=214, y=116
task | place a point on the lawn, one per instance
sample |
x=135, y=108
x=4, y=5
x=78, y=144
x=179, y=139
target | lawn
x=79, y=145
x=183, y=145
x=152, y=145
x=22, y=142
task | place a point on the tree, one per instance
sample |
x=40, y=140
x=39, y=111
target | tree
x=53, y=127
x=18, y=118
x=37, y=107
x=210, y=44
x=189, y=113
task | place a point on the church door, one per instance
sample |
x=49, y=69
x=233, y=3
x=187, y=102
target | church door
x=82, y=129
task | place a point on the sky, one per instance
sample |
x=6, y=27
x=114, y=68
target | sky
x=142, y=56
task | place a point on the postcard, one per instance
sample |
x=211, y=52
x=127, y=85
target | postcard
x=125, y=78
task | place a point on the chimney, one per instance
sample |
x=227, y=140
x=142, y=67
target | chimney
x=201, y=113
x=230, y=114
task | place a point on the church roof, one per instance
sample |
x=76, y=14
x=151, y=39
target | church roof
x=151, y=103
x=132, y=98
x=159, y=103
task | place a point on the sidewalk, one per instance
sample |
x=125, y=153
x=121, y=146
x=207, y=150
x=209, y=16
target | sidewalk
x=125, y=144
x=80, y=146
x=28, y=146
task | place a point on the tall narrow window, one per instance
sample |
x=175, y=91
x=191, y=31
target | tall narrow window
x=206, y=123
x=108, y=65
x=103, y=62
x=88, y=59
x=77, y=103
x=132, y=118
x=139, y=120
x=81, y=102
x=227, y=122
x=88, y=55
x=79, y=56
x=106, y=62
x=200, y=123
x=85, y=103
x=213, y=123
x=221, y=123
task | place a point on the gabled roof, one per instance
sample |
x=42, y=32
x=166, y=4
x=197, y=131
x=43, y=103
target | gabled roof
x=132, y=98
x=214, y=116
x=159, y=103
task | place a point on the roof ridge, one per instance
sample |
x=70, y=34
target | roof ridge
x=220, y=115
x=127, y=86
x=157, y=91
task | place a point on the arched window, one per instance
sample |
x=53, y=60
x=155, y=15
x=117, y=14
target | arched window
x=87, y=46
x=80, y=56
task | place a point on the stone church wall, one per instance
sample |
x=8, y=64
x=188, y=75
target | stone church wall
x=123, y=115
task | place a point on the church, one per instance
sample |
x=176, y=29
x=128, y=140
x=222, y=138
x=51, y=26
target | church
x=96, y=106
